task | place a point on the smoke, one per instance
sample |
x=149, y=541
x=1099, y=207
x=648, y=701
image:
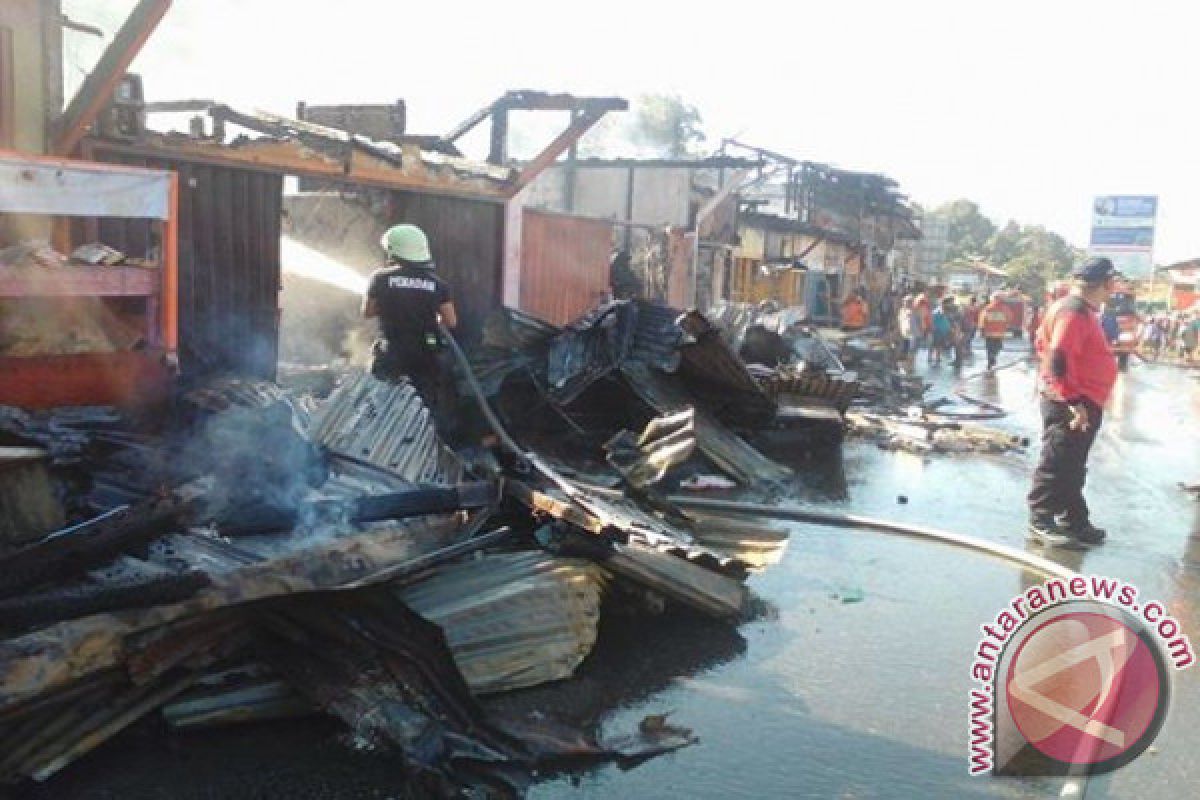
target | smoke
x=256, y=456
x=320, y=301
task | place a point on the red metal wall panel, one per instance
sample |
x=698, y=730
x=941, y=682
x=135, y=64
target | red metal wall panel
x=564, y=264
x=681, y=281
x=7, y=89
x=127, y=379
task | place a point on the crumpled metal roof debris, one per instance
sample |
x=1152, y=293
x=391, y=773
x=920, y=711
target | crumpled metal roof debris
x=506, y=620
x=722, y=446
x=513, y=620
x=386, y=425
x=651, y=349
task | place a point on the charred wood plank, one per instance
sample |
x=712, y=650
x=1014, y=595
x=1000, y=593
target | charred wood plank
x=393, y=505
x=68, y=556
x=56, y=605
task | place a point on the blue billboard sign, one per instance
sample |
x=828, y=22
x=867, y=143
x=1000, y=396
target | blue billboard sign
x=1123, y=230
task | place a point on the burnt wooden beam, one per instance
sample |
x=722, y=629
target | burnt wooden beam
x=498, y=150
x=578, y=127
x=167, y=106
x=97, y=89
x=393, y=505
x=525, y=100
x=285, y=128
x=762, y=151
x=290, y=157
x=61, y=557
x=467, y=125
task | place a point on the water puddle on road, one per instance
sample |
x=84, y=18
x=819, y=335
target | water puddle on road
x=862, y=699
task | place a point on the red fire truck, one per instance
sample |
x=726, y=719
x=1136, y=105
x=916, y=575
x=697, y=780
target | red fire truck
x=1017, y=303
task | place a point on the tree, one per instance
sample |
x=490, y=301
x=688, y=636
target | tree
x=1041, y=257
x=968, y=230
x=657, y=126
x=1005, y=244
x=1031, y=255
x=665, y=123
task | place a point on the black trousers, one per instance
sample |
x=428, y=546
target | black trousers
x=422, y=368
x=994, y=346
x=1062, y=470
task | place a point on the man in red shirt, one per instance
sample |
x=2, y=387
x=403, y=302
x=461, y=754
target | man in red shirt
x=1078, y=372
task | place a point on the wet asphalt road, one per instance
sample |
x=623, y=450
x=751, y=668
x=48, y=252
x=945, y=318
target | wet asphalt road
x=867, y=698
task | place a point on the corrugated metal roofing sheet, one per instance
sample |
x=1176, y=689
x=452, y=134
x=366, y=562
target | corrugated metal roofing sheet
x=715, y=372
x=387, y=425
x=722, y=446
x=513, y=620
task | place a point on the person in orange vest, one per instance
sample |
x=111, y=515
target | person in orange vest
x=924, y=314
x=854, y=313
x=993, y=320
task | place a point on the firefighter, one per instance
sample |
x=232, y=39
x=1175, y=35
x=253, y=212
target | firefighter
x=1078, y=371
x=854, y=313
x=409, y=300
x=993, y=320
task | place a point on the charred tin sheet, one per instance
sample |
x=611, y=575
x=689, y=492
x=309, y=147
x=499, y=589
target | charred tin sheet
x=723, y=447
x=715, y=372
x=513, y=620
x=387, y=425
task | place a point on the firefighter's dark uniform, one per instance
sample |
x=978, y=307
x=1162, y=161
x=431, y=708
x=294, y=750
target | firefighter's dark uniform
x=408, y=298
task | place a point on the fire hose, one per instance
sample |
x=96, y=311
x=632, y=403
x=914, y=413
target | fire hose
x=1073, y=787
x=1010, y=554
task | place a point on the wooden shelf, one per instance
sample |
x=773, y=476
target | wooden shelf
x=72, y=281
x=127, y=379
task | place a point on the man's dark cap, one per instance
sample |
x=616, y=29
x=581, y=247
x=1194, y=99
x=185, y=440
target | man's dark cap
x=1095, y=270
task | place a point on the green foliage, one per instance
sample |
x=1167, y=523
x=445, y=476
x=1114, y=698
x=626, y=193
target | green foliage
x=656, y=126
x=1005, y=244
x=665, y=123
x=968, y=229
x=1031, y=255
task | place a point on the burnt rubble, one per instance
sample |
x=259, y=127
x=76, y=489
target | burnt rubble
x=262, y=556
x=255, y=555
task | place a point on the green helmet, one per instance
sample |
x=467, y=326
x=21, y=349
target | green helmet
x=406, y=242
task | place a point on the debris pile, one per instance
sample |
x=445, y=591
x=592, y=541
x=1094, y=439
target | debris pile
x=928, y=432
x=626, y=361
x=287, y=557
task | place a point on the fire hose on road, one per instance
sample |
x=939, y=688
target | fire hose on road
x=1073, y=787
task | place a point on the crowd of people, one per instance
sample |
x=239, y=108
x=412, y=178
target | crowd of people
x=946, y=330
x=1174, y=334
x=945, y=327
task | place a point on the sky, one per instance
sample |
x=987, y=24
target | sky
x=1030, y=109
